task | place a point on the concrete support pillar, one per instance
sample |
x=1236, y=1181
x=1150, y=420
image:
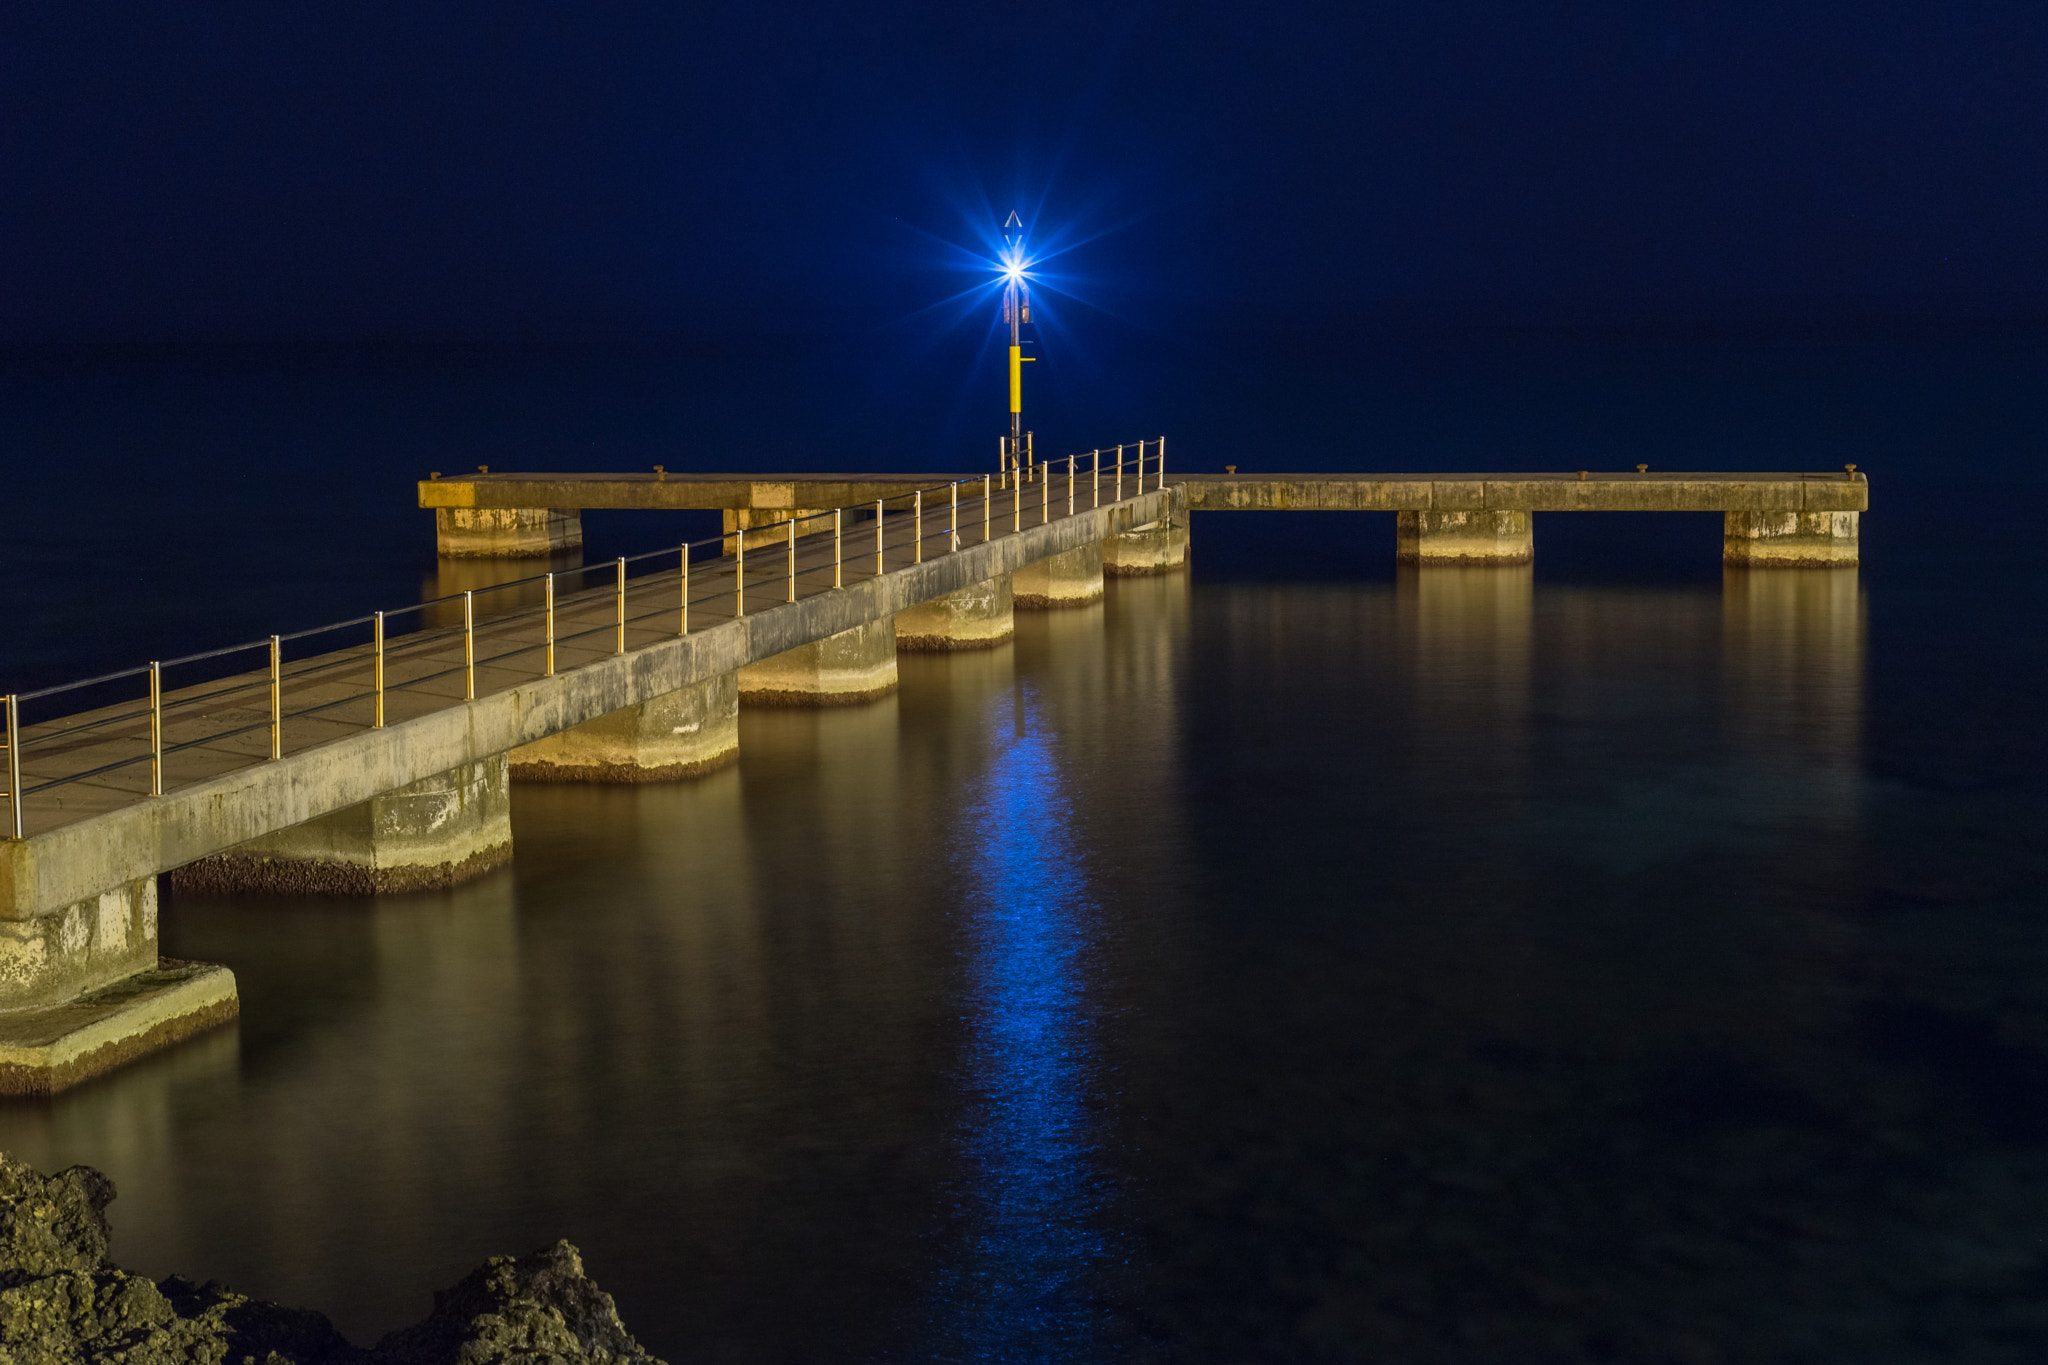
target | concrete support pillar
x=1791, y=540
x=1073, y=579
x=976, y=617
x=1481, y=537
x=840, y=670
x=82, y=990
x=682, y=734
x=506, y=532
x=769, y=521
x=432, y=833
x=1161, y=547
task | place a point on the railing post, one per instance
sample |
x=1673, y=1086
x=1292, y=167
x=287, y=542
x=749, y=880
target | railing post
x=469, y=646
x=276, y=699
x=377, y=664
x=1119, y=473
x=953, y=522
x=550, y=613
x=838, y=552
x=1070, y=483
x=1095, y=478
x=878, y=537
x=1003, y=460
x=156, y=729
x=739, y=574
x=1017, y=505
x=683, y=621
x=792, y=559
x=1044, y=494
x=1162, y=464
x=917, y=526
x=987, y=498
x=14, y=765
x=620, y=647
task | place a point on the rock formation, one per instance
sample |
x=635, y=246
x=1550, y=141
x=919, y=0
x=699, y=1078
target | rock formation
x=61, y=1303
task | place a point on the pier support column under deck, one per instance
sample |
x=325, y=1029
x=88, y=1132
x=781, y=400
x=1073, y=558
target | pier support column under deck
x=840, y=670
x=976, y=617
x=1791, y=540
x=763, y=525
x=682, y=734
x=1161, y=547
x=432, y=833
x=1072, y=579
x=506, y=532
x=1486, y=536
x=82, y=990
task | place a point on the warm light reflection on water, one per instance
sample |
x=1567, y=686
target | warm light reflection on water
x=1463, y=967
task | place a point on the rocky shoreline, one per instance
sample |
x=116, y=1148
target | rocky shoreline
x=62, y=1303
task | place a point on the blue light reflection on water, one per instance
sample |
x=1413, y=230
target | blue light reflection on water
x=1030, y=1197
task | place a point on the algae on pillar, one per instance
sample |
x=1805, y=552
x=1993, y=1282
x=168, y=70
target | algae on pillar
x=82, y=990
x=979, y=616
x=1791, y=540
x=435, y=832
x=1482, y=536
x=1070, y=579
x=853, y=666
x=680, y=734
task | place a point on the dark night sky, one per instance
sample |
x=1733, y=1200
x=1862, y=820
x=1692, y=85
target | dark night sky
x=210, y=171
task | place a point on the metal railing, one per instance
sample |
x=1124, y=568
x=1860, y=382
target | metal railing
x=411, y=652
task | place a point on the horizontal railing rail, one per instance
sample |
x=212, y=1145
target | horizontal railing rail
x=354, y=684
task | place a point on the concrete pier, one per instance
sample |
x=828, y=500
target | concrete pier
x=1073, y=579
x=981, y=616
x=506, y=533
x=1483, y=537
x=1160, y=547
x=435, y=832
x=845, y=669
x=681, y=734
x=1791, y=540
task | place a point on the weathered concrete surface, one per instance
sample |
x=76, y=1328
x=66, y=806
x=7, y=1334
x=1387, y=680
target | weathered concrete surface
x=854, y=666
x=92, y=942
x=56, y=1046
x=1791, y=540
x=981, y=616
x=45, y=873
x=1073, y=579
x=762, y=527
x=432, y=832
x=1561, y=492
x=683, y=734
x=1160, y=547
x=1490, y=536
x=674, y=491
x=506, y=533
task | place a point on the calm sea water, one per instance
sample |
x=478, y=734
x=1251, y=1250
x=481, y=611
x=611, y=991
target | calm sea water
x=1292, y=960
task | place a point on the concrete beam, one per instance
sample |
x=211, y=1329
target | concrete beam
x=1565, y=492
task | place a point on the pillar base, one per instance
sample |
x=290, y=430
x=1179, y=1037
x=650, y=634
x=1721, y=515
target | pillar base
x=854, y=666
x=1159, y=548
x=506, y=532
x=684, y=734
x=429, y=834
x=49, y=1049
x=1481, y=537
x=762, y=526
x=976, y=617
x=1791, y=540
x=1072, y=579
